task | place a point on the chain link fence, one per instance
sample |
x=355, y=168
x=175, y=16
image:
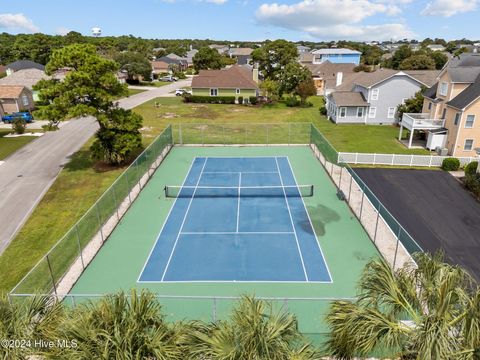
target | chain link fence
x=58, y=270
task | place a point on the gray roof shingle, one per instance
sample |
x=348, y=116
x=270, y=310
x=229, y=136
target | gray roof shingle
x=25, y=64
x=348, y=98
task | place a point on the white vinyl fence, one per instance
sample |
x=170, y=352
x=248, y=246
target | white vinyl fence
x=398, y=160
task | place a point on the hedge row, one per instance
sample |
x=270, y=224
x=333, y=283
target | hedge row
x=218, y=99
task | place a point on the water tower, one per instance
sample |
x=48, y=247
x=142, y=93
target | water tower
x=96, y=31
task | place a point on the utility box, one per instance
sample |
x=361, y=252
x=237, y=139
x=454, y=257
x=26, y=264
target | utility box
x=436, y=139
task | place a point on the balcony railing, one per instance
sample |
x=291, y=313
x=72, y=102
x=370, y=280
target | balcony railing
x=421, y=121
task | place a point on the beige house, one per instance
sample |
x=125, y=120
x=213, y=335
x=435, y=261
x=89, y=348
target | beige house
x=327, y=75
x=27, y=78
x=1, y=110
x=451, y=108
x=16, y=98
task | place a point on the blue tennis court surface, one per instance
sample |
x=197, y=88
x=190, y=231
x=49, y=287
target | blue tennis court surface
x=237, y=219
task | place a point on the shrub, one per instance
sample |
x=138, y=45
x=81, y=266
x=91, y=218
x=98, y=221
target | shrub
x=19, y=125
x=240, y=100
x=209, y=99
x=323, y=110
x=450, y=164
x=292, y=101
x=180, y=75
x=472, y=183
x=51, y=126
x=471, y=168
x=253, y=100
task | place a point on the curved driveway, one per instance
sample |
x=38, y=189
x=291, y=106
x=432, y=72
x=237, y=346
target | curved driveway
x=28, y=173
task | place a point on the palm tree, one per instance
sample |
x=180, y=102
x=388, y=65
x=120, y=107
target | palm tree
x=120, y=326
x=26, y=320
x=431, y=311
x=253, y=332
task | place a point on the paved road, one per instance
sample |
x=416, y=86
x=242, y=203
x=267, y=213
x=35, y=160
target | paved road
x=28, y=173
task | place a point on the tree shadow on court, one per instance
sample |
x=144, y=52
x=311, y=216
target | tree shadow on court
x=321, y=216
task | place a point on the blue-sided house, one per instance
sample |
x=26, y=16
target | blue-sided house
x=336, y=56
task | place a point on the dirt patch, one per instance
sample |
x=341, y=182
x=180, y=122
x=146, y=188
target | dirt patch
x=170, y=115
x=203, y=112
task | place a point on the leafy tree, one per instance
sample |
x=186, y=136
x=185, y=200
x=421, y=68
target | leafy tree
x=254, y=331
x=412, y=105
x=292, y=75
x=118, y=137
x=439, y=58
x=305, y=89
x=136, y=64
x=274, y=56
x=177, y=49
x=269, y=89
x=402, y=53
x=207, y=58
x=429, y=312
x=418, y=62
x=460, y=51
x=89, y=88
x=73, y=37
x=451, y=47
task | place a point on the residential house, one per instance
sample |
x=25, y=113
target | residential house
x=436, y=47
x=452, y=105
x=336, y=56
x=165, y=64
x=1, y=110
x=159, y=67
x=190, y=54
x=327, y=75
x=27, y=78
x=234, y=81
x=305, y=58
x=222, y=49
x=23, y=65
x=302, y=49
x=372, y=98
x=16, y=98
x=243, y=55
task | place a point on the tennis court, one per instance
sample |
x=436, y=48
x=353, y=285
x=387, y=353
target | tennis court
x=237, y=219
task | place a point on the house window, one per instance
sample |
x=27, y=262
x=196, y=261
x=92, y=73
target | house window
x=343, y=112
x=25, y=100
x=468, y=145
x=429, y=106
x=372, y=113
x=457, y=119
x=375, y=93
x=360, y=112
x=469, y=121
x=391, y=112
x=213, y=92
x=443, y=89
x=237, y=91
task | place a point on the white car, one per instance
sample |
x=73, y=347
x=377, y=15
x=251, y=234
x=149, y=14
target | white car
x=180, y=92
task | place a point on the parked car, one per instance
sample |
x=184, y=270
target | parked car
x=168, y=78
x=8, y=119
x=181, y=92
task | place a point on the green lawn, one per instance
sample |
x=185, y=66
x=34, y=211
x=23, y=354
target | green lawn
x=9, y=145
x=135, y=91
x=77, y=187
x=345, y=137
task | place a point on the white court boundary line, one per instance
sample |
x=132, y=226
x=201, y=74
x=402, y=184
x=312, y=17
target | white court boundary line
x=311, y=224
x=291, y=221
x=232, y=233
x=238, y=202
x=183, y=221
x=239, y=233
x=164, y=223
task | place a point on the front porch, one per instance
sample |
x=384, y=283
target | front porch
x=421, y=121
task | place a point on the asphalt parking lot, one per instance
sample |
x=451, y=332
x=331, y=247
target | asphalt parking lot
x=434, y=208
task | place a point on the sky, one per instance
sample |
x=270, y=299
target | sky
x=252, y=20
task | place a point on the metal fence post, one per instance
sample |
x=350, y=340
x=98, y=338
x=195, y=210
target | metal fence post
x=138, y=175
x=73, y=301
x=116, y=202
x=376, y=223
x=203, y=135
x=214, y=309
x=340, y=180
x=350, y=187
x=396, y=248
x=266, y=126
x=361, y=204
x=99, y=223
x=180, y=137
x=51, y=274
x=223, y=130
x=79, y=247
x=128, y=187
x=289, y=133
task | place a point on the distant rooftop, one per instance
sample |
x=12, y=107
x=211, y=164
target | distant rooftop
x=335, y=51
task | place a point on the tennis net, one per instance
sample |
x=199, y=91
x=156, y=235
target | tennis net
x=235, y=191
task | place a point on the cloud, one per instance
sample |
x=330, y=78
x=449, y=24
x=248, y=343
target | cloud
x=335, y=19
x=62, y=31
x=449, y=8
x=217, y=2
x=17, y=21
